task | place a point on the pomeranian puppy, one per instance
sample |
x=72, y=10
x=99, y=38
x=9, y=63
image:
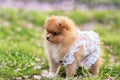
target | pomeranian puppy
x=67, y=45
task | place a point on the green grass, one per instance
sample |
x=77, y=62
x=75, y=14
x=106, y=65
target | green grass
x=111, y=53
x=22, y=42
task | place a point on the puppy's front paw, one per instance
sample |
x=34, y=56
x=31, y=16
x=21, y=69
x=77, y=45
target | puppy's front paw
x=51, y=75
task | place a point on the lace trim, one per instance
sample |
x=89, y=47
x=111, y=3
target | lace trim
x=90, y=41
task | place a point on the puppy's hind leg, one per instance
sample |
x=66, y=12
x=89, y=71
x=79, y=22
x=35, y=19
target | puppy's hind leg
x=95, y=67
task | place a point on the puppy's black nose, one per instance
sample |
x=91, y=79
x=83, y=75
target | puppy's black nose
x=47, y=38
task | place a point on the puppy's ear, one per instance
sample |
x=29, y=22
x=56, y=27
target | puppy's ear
x=46, y=21
x=62, y=24
x=59, y=23
x=48, y=18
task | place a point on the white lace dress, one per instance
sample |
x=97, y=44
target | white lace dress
x=91, y=43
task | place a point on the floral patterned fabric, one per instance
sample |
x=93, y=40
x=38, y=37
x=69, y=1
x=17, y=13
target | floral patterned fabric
x=91, y=43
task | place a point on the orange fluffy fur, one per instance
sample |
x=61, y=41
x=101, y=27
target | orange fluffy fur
x=61, y=34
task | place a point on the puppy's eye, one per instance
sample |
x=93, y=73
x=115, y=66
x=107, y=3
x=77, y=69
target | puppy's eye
x=54, y=33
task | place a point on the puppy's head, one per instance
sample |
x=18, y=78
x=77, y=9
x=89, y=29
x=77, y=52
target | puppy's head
x=58, y=28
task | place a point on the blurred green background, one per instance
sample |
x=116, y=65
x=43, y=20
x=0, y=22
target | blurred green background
x=22, y=54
